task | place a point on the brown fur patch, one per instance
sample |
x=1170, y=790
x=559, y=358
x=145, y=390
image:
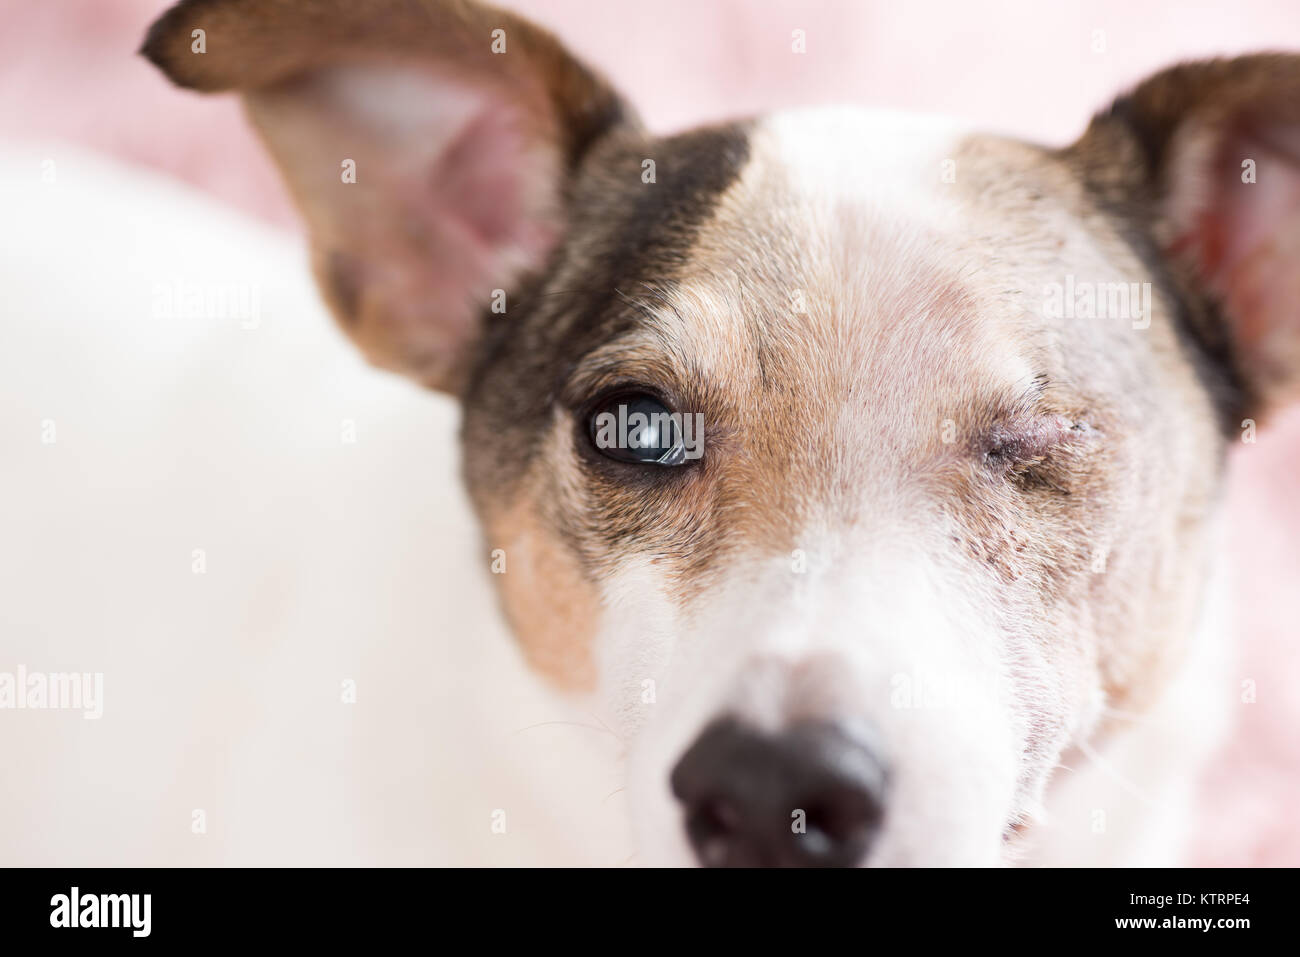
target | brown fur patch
x=552, y=607
x=252, y=44
x=522, y=461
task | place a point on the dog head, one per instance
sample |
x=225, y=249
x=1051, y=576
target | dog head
x=855, y=464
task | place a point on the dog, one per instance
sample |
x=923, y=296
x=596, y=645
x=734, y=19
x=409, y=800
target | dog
x=861, y=471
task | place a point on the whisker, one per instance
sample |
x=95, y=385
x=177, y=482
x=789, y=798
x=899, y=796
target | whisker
x=576, y=724
x=634, y=303
x=659, y=297
x=596, y=718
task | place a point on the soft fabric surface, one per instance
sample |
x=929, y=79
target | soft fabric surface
x=1028, y=68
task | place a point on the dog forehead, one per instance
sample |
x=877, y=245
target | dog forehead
x=889, y=159
x=839, y=253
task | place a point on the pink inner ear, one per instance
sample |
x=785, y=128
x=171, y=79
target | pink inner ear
x=1246, y=240
x=486, y=213
x=455, y=195
x=453, y=222
x=476, y=202
x=478, y=181
x=467, y=221
x=1246, y=216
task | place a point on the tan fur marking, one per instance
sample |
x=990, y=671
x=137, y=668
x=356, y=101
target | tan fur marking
x=551, y=608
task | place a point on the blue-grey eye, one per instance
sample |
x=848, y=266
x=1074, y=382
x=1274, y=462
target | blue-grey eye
x=637, y=428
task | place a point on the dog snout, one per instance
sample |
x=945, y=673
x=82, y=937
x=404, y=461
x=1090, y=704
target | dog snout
x=812, y=795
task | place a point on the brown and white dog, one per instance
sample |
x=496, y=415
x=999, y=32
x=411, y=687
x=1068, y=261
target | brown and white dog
x=949, y=524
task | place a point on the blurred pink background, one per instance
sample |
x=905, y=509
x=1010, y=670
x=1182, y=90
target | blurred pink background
x=1032, y=69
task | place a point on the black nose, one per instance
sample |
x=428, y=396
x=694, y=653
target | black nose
x=811, y=796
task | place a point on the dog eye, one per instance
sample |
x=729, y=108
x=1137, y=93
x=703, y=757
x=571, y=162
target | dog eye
x=1031, y=453
x=636, y=428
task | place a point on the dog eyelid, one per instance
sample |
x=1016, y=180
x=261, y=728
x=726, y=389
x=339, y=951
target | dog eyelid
x=1031, y=439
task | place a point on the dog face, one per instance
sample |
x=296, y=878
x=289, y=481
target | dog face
x=855, y=465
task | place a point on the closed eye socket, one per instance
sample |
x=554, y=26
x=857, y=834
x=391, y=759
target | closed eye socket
x=637, y=428
x=1026, y=450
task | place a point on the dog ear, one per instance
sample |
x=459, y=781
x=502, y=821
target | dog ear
x=1205, y=157
x=427, y=143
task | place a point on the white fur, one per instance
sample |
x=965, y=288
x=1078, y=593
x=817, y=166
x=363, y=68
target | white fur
x=325, y=561
x=838, y=640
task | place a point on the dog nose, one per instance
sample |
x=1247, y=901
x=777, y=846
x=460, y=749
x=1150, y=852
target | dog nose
x=810, y=796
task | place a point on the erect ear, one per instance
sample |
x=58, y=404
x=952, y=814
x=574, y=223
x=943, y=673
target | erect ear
x=1207, y=156
x=427, y=143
